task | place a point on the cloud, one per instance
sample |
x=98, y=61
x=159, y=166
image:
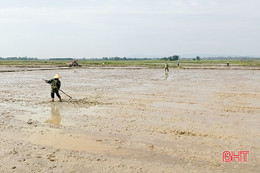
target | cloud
x=154, y=26
x=78, y=10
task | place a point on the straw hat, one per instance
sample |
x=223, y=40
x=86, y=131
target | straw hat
x=57, y=76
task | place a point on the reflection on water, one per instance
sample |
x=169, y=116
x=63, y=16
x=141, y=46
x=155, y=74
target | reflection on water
x=76, y=142
x=166, y=75
x=55, y=115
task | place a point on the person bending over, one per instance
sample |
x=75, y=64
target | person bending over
x=55, y=86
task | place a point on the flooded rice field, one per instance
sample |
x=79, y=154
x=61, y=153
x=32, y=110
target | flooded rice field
x=129, y=120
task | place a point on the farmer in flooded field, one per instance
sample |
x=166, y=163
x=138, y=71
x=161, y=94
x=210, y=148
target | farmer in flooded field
x=227, y=64
x=55, y=86
x=166, y=67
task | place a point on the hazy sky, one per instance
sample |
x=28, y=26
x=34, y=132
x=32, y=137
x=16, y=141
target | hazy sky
x=131, y=28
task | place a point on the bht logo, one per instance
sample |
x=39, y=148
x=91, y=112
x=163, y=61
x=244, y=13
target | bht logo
x=231, y=156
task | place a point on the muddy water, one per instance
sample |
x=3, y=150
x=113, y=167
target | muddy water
x=60, y=140
x=130, y=120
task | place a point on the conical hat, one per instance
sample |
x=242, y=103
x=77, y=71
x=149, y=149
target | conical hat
x=57, y=76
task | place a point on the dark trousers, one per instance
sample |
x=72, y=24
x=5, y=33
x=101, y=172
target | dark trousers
x=57, y=93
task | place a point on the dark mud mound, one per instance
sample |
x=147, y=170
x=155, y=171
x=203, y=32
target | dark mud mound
x=84, y=102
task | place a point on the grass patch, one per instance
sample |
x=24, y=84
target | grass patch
x=132, y=63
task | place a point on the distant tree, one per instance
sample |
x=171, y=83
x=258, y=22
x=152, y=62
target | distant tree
x=171, y=58
x=174, y=58
x=117, y=58
x=164, y=58
x=198, y=58
x=57, y=59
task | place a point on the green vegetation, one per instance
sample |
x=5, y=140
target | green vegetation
x=214, y=62
x=198, y=58
x=171, y=58
x=132, y=63
x=32, y=62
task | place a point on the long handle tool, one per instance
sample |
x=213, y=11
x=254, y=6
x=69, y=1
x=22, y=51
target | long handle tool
x=61, y=91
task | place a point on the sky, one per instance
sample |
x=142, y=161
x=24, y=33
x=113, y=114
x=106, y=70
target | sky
x=129, y=28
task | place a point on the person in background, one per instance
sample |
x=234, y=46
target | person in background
x=166, y=68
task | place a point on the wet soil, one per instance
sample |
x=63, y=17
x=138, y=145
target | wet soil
x=129, y=120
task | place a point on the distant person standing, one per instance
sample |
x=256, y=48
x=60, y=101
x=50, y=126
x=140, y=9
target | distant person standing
x=178, y=63
x=166, y=67
x=55, y=86
x=227, y=64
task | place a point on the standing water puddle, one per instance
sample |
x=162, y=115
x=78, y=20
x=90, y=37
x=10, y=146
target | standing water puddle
x=58, y=139
x=65, y=116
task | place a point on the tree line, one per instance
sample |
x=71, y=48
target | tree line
x=116, y=58
x=18, y=58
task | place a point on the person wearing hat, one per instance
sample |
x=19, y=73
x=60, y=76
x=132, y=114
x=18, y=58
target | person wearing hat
x=55, y=86
x=166, y=67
